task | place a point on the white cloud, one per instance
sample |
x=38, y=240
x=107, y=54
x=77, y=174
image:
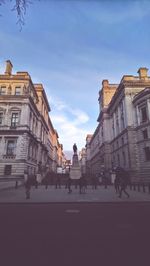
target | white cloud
x=57, y=103
x=70, y=123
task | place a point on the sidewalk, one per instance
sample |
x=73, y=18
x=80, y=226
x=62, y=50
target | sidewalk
x=51, y=194
x=9, y=184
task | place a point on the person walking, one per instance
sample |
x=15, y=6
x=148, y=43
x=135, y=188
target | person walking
x=82, y=184
x=46, y=179
x=58, y=182
x=27, y=185
x=117, y=180
x=123, y=183
x=94, y=181
x=69, y=185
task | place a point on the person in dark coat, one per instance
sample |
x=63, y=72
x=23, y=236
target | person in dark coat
x=82, y=184
x=27, y=187
x=58, y=182
x=117, y=180
x=123, y=183
x=46, y=179
x=69, y=181
x=94, y=181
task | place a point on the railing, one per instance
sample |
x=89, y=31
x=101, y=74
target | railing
x=140, y=187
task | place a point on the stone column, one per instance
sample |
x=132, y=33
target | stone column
x=125, y=113
x=24, y=119
x=114, y=117
x=137, y=115
x=148, y=108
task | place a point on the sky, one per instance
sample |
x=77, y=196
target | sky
x=70, y=47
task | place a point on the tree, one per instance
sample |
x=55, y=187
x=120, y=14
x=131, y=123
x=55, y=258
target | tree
x=20, y=7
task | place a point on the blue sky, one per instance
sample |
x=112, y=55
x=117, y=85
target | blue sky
x=70, y=47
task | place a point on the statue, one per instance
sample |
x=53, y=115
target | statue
x=75, y=148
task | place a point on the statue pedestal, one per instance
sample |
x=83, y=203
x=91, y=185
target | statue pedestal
x=75, y=169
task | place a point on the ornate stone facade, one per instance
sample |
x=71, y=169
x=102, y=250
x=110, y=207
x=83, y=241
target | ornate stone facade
x=118, y=141
x=26, y=131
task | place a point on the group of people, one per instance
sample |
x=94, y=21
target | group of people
x=120, y=183
x=81, y=183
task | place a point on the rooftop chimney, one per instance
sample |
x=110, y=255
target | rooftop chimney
x=142, y=72
x=9, y=67
x=105, y=83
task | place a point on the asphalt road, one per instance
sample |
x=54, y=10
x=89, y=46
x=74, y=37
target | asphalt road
x=71, y=234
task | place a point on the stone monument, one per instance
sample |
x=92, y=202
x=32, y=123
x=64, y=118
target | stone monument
x=75, y=169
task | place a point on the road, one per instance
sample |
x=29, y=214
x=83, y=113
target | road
x=71, y=234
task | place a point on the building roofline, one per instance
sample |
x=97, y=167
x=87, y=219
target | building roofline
x=39, y=87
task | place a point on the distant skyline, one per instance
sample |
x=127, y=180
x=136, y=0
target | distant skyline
x=70, y=47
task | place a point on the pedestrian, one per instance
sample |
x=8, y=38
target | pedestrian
x=58, y=182
x=16, y=184
x=117, y=180
x=104, y=178
x=82, y=184
x=116, y=184
x=27, y=185
x=69, y=185
x=36, y=182
x=94, y=181
x=46, y=179
x=123, y=183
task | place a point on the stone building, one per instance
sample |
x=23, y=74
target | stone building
x=55, y=150
x=82, y=160
x=141, y=104
x=117, y=140
x=26, y=131
x=88, y=154
x=98, y=146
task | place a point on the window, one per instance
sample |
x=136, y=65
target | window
x=2, y=90
x=102, y=133
x=1, y=118
x=11, y=145
x=14, y=119
x=7, y=169
x=117, y=144
x=122, y=115
x=145, y=134
x=33, y=125
x=30, y=120
x=113, y=127
x=36, y=126
x=122, y=140
x=122, y=121
x=143, y=114
x=9, y=90
x=18, y=91
x=147, y=153
x=124, y=157
x=118, y=157
x=114, y=161
x=117, y=126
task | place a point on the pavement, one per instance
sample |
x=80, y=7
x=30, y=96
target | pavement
x=42, y=195
x=75, y=234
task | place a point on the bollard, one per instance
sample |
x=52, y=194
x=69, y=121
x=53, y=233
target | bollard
x=143, y=188
x=134, y=187
x=138, y=187
x=16, y=185
x=130, y=186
